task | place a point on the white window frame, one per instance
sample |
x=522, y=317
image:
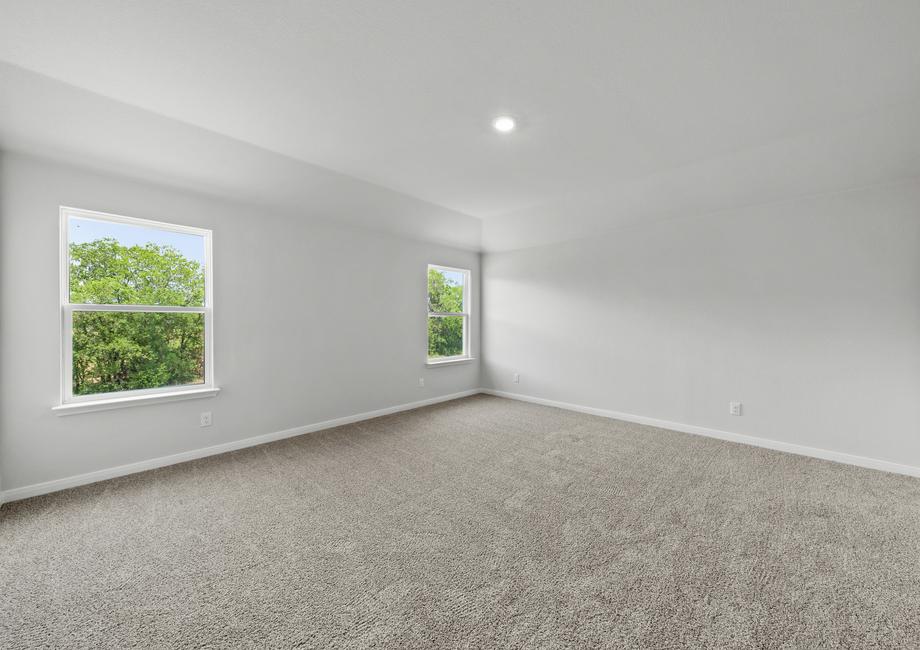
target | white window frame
x=71, y=403
x=467, y=297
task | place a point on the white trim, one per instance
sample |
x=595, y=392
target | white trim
x=70, y=403
x=128, y=396
x=134, y=221
x=788, y=447
x=447, y=361
x=155, y=309
x=155, y=396
x=37, y=489
x=122, y=470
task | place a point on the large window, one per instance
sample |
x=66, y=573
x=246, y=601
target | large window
x=448, y=314
x=135, y=308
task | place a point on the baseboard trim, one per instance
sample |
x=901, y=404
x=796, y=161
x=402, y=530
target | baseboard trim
x=36, y=489
x=56, y=485
x=801, y=450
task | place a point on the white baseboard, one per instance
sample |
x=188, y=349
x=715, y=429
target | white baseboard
x=801, y=450
x=37, y=489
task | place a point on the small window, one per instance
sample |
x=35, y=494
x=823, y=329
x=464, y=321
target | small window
x=136, y=307
x=448, y=314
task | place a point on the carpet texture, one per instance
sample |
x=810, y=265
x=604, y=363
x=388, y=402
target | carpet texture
x=478, y=523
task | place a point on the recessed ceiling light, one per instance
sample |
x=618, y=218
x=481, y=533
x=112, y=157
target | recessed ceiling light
x=503, y=124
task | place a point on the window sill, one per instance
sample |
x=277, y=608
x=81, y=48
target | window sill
x=136, y=400
x=450, y=362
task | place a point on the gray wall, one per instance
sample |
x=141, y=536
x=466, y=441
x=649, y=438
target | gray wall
x=313, y=321
x=807, y=311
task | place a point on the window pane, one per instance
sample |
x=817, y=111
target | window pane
x=445, y=336
x=445, y=290
x=116, y=351
x=120, y=264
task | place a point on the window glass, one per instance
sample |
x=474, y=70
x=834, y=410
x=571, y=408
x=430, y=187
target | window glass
x=136, y=314
x=124, y=264
x=118, y=351
x=448, y=315
x=445, y=336
x=445, y=290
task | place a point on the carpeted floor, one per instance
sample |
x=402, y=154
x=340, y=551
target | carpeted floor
x=478, y=523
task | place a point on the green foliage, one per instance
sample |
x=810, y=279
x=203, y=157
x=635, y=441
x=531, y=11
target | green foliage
x=103, y=272
x=115, y=351
x=445, y=334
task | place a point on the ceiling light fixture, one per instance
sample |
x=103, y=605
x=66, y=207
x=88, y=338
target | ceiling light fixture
x=503, y=124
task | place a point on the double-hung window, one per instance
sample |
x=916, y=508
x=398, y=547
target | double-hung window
x=136, y=311
x=448, y=314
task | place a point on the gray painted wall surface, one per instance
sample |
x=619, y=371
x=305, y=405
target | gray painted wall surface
x=807, y=311
x=313, y=321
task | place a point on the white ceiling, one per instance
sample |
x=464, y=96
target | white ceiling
x=627, y=110
x=54, y=120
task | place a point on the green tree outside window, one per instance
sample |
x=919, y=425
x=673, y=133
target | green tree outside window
x=445, y=333
x=117, y=351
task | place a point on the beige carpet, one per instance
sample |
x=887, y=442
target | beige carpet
x=479, y=523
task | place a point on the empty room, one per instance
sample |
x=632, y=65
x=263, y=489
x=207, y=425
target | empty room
x=459, y=324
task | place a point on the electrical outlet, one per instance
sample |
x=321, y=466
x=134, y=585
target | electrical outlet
x=205, y=419
x=421, y=382
x=734, y=408
x=517, y=378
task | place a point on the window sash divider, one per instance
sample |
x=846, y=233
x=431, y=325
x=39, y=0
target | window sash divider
x=72, y=307
x=442, y=314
